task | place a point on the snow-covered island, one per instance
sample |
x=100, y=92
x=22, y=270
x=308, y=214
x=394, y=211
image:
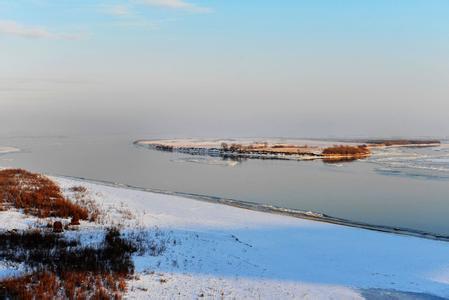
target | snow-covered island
x=328, y=151
x=175, y=247
x=262, y=149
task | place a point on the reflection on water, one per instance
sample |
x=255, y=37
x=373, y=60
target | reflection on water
x=413, y=195
x=339, y=160
x=226, y=162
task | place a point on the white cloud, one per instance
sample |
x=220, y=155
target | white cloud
x=127, y=17
x=176, y=4
x=16, y=29
x=117, y=10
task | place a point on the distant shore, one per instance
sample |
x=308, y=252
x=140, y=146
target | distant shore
x=259, y=149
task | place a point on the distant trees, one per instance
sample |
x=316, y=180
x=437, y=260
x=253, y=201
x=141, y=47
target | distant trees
x=231, y=148
x=235, y=148
x=167, y=148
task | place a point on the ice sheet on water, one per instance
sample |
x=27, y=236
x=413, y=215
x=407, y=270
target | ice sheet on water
x=390, y=294
x=432, y=162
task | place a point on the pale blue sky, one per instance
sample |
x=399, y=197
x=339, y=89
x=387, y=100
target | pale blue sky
x=225, y=68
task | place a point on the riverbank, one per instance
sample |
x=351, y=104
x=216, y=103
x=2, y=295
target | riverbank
x=302, y=214
x=255, y=253
x=213, y=251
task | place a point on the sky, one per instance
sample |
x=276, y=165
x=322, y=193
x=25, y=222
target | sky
x=196, y=68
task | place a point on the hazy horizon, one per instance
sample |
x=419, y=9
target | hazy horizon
x=181, y=68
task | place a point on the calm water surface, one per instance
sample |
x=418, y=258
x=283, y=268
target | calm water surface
x=397, y=187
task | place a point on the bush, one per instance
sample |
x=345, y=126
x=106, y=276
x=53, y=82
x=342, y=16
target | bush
x=57, y=227
x=75, y=220
x=78, y=189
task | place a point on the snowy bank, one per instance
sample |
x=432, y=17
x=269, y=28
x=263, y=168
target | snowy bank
x=216, y=250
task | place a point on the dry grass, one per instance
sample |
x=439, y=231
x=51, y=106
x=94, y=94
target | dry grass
x=37, y=195
x=62, y=269
x=82, y=198
x=69, y=285
x=343, y=150
x=57, y=268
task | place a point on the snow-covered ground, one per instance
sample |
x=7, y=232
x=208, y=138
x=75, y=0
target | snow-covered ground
x=217, y=251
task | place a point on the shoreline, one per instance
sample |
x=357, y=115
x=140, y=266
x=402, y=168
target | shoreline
x=306, y=215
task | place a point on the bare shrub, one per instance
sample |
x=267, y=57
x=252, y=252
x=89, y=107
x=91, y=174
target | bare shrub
x=235, y=148
x=57, y=227
x=78, y=189
x=152, y=242
x=75, y=220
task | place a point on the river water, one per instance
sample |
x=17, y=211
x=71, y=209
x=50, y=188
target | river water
x=400, y=187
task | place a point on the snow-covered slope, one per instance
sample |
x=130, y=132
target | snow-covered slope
x=221, y=251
